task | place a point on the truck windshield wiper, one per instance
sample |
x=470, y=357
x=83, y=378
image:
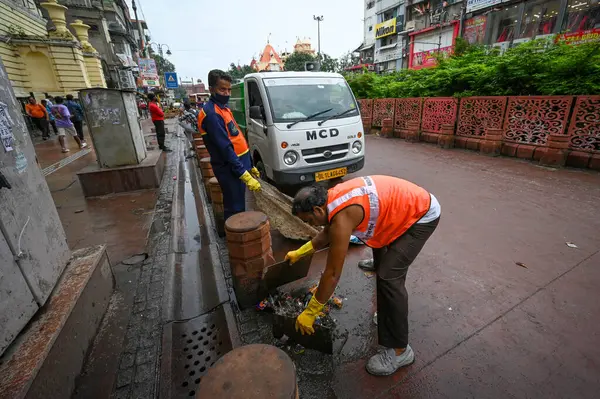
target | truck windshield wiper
x=336, y=115
x=308, y=117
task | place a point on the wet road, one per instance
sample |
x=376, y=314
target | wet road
x=481, y=326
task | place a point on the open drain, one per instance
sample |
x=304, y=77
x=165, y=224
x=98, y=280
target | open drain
x=196, y=345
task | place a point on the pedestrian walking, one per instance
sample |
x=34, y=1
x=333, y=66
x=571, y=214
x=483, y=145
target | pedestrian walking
x=63, y=123
x=228, y=149
x=39, y=116
x=393, y=216
x=158, y=118
x=51, y=119
x=143, y=107
x=76, y=116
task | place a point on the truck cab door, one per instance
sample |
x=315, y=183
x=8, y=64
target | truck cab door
x=258, y=137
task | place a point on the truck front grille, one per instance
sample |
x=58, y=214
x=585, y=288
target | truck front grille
x=323, y=154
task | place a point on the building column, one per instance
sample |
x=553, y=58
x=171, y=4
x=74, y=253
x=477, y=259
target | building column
x=91, y=57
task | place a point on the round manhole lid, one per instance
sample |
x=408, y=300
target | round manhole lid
x=235, y=372
x=245, y=221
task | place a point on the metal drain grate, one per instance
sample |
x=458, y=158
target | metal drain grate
x=195, y=346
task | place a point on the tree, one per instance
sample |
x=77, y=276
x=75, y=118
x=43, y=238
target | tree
x=347, y=60
x=180, y=93
x=296, y=61
x=238, y=72
x=162, y=64
x=329, y=64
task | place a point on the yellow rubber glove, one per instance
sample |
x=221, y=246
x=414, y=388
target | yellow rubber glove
x=304, y=322
x=294, y=256
x=255, y=173
x=250, y=181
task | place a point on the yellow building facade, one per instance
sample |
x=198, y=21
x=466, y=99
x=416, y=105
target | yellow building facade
x=42, y=61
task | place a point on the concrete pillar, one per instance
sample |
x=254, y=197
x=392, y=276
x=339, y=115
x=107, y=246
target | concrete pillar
x=555, y=154
x=413, y=134
x=249, y=244
x=207, y=173
x=491, y=143
x=254, y=371
x=446, y=136
x=216, y=197
x=387, y=128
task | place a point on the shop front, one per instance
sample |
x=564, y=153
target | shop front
x=427, y=44
x=503, y=24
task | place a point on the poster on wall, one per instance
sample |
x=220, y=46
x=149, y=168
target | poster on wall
x=425, y=59
x=586, y=36
x=148, y=68
x=474, y=30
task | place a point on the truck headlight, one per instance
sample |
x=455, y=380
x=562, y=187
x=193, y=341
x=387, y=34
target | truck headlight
x=356, y=147
x=290, y=157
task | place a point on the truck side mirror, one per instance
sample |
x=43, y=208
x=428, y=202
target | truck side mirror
x=255, y=112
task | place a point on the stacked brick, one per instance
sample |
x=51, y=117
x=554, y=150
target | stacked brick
x=216, y=197
x=207, y=173
x=249, y=244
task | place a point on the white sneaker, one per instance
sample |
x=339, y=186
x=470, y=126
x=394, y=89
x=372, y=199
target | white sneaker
x=83, y=145
x=386, y=362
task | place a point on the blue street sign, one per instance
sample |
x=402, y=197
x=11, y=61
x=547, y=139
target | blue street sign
x=171, y=80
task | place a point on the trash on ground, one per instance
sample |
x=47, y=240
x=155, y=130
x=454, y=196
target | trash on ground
x=571, y=245
x=521, y=264
x=79, y=211
x=135, y=259
x=369, y=274
x=375, y=318
x=355, y=240
x=298, y=349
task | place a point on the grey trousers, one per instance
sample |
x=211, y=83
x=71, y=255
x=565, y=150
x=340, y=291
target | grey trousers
x=391, y=265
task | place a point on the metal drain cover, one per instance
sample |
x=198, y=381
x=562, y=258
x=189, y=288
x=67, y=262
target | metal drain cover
x=190, y=348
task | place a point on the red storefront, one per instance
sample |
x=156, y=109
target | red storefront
x=424, y=44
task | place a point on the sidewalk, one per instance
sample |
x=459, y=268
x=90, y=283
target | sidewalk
x=121, y=221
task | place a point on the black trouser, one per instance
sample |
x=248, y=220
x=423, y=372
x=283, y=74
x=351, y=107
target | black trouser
x=42, y=124
x=53, y=124
x=160, y=133
x=78, y=128
x=391, y=264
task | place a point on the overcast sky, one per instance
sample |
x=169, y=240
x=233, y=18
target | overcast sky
x=211, y=34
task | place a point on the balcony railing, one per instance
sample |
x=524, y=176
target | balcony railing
x=77, y=3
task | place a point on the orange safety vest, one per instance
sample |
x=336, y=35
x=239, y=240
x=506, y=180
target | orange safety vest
x=240, y=146
x=391, y=206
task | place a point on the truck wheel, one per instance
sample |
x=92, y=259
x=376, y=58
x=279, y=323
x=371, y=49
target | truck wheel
x=261, y=169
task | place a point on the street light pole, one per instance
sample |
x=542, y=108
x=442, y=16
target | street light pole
x=318, y=19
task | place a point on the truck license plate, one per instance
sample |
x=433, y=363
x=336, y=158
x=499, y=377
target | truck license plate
x=330, y=174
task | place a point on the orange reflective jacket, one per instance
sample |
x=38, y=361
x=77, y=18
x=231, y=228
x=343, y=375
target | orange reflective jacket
x=391, y=206
x=240, y=146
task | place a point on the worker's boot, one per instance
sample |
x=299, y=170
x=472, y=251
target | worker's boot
x=367, y=264
x=386, y=362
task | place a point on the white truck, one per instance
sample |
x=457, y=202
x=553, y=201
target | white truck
x=301, y=126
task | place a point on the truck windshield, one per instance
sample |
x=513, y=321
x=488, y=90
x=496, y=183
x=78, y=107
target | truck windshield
x=293, y=99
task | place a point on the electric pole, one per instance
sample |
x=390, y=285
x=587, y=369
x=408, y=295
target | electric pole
x=318, y=19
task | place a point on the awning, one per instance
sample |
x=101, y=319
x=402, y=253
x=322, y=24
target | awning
x=388, y=46
x=364, y=47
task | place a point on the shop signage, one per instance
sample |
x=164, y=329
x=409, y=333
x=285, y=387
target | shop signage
x=148, y=68
x=385, y=28
x=474, y=5
x=151, y=83
x=474, y=30
x=586, y=36
x=425, y=59
x=389, y=54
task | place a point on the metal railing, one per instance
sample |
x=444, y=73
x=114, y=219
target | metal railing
x=77, y=3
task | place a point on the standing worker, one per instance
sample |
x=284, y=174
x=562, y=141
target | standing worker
x=76, y=117
x=228, y=149
x=39, y=116
x=158, y=118
x=394, y=217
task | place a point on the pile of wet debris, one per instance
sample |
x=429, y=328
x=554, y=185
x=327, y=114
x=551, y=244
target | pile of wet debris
x=287, y=306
